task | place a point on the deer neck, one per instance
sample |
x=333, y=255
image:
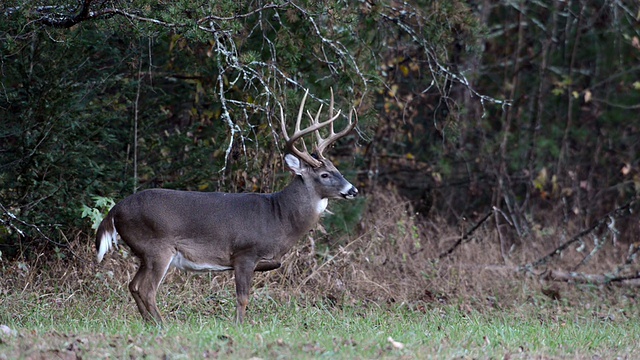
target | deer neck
x=299, y=205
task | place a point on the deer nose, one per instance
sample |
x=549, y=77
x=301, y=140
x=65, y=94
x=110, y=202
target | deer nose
x=351, y=193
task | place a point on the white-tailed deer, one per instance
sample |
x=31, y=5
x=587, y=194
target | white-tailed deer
x=214, y=231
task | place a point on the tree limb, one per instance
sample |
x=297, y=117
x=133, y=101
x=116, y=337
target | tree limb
x=12, y=217
x=616, y=213
x=596, y=279
x=84, y=13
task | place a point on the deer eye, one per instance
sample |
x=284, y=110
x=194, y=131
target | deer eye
x=324, y=175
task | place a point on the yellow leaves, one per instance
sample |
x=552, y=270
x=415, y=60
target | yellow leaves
x=587, y=95
x=212, y=114
x=540, y=180
x=548, y=185
x=401, y=64
x=404, y=70
x=437, y=177
x=175, y=39
x=199, y=90
x=561, y=86
x=394, y=90
x=636, y=85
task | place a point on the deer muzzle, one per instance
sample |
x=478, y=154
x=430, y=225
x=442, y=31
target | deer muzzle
x=350, y=192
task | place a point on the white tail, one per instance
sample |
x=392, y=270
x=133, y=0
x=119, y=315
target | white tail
x=245, y=232
x=108, y=238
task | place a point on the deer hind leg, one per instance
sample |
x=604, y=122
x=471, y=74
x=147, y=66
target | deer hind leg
x=133, y=288
x=244, y=275
x=144, y=286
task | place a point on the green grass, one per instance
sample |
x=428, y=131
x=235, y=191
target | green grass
x=52, y=325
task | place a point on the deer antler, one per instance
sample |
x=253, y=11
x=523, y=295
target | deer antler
x=315, y=126
x=333, y=137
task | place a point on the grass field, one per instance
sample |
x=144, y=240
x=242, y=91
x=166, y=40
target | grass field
x=81, y=325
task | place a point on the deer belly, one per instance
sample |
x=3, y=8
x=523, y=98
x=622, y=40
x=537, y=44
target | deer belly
x=180, y=262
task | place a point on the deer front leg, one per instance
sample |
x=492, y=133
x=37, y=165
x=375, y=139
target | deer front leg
x=244, y=276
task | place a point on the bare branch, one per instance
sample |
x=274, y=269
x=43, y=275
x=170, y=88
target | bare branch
x=616, y=213
x=598, y=279
x=435, y=67
x=240, y=16
x=84, y=13
x=466, y=235
x=11, y=218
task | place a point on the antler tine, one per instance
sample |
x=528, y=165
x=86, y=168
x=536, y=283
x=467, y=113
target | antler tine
x=304, y=156
x=333, y=137
x=319, y=138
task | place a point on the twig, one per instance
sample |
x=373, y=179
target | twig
x=560, y=275
x=342, y=250
x=240, y=16
x=434, y=65
x=19, y=231
x=631, y=257
x=466, y=235
x=135, y=128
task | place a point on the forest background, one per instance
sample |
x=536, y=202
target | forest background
x=494, y=136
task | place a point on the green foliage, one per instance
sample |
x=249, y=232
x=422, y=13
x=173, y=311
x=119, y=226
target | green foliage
x=61, y=123
x=95, y=214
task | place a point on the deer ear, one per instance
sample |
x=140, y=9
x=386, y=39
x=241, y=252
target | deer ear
x=294, y=164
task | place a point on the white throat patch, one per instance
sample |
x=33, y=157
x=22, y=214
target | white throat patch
x=321, y=206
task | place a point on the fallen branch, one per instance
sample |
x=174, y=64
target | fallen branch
x=561, y=275
x=466, y=235
x=614, y=214
x=596, y=279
